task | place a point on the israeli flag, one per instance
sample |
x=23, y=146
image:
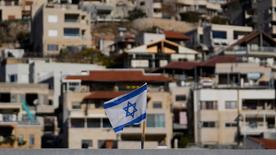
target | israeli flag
x=127, y=109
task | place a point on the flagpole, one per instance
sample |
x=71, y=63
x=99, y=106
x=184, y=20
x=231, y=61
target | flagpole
x=143, y=134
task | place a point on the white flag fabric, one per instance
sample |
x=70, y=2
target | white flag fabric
x=128, y=109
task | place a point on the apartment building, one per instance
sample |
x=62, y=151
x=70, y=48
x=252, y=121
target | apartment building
x=42, y=71
x=181, y=97
x=240, y=103
x=26, y=114
x=152, y=8
x=217, y=37
x=10, y=10
x=85, y=119
x=59, y=26
x=19, y=9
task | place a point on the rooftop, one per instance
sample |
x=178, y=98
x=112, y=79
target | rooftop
x=103, y=95
x=250, y=37
x=120, y=76
x=266, y=143
x=175, y=35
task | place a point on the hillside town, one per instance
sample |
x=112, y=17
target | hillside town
x=210, y=67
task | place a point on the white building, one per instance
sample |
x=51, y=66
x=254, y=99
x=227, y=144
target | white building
x=152, y=8
x=218, y=112
x=43, y=71
x=221, y=36
x=241, y=102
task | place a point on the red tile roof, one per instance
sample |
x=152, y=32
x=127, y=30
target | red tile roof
x=182, y=65
x=266, y=143
x=220, y=59
x=176, y=35
x=121, y=76
x=106, y=95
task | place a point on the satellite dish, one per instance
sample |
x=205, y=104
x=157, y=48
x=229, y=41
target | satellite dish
x=35, y=102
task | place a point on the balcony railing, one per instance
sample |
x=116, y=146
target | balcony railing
x=244, y=50
x=12, y=118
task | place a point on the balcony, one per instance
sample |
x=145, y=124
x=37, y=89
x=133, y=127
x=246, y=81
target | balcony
x=71, y=18
x=251, y=50
x=256, y=128
x=177, y=126
x=8, y=119
x=9, y=105
x=71, y=32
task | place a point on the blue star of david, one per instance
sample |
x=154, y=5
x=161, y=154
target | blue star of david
x=130, y=109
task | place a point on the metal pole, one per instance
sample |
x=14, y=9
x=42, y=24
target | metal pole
x=143, y=134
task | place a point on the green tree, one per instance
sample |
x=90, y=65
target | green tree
x=190, y=16
x=135, y=14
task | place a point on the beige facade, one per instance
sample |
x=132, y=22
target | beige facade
x=19, y=9
x=238, y=103
x=10, y=11
x=20, y=130
x=104, y=137
x=217, y=112
x=61, y=26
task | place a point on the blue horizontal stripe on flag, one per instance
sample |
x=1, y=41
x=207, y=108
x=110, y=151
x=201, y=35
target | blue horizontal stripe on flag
x=134, y=121
x=126, y=97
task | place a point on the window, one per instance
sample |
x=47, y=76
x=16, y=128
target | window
x=106, y=123
x=230, y=104
x=208, y=105
x=71, y=32
x=142, y=3
x=73, y=86
x=13, y=98
x=157, y=105
x=52, y=47
x=31, y=99
x=180, y=98
x=52, y=19
x=21, y=140
x=98, y=123
x=86, y=143
x=5, y=97
x=93, y=122
x=77, y=123
x=219, y=34
x=209, y=124
x=107, y=144
x=238, y=34
x=76, y=105
x=13, y=78
x=71, y=18
x=52, y=33
x=31, y=140
x=230, y=124
x=156, y=120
